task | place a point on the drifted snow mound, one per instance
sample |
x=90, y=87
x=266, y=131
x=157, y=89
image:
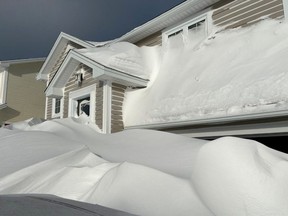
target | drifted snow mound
x=137, y=172
x=122, y=56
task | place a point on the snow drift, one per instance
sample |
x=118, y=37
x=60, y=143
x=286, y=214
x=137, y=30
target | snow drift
x=194, y=79
x=144, y=172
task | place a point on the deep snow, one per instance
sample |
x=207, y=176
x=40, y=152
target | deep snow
x=232, y=72
x=144, y=172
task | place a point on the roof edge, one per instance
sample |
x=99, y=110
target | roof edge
x=42, y=75
x=21, y=61
x=212, y=121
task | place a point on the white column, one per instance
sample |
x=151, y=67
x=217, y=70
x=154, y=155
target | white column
x=285, y=5
x=3, y=85
x=107, y=98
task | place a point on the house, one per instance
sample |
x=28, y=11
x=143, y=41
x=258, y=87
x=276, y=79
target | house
x=21, y=96
x=79, y=79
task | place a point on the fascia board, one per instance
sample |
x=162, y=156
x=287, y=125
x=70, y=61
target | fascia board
x=62, y=38
x=55, y=92
x=22, y=61
x=212, y=121
x=127, y=79
x=68, y=60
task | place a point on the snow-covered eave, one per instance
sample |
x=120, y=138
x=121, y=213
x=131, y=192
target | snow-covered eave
x=100, y=72
x=60, y=43
x=171, y=17
x=215, y=121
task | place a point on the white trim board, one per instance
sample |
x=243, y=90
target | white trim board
x=3, y=85
x=81, y=93
x=285, y=7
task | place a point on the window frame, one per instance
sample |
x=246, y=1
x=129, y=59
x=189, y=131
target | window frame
x=54, y=103
x=184, y=27
x=79, y=94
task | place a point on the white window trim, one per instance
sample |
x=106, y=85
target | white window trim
x=60, y=114
x=184, y=26
x=3, y=85
x=285, y=6
x=79, y=94
x=107, y=100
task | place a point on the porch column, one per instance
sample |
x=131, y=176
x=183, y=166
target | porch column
x=107, y=98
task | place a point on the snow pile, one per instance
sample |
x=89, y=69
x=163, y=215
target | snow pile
x=122, y=56
x=232, y=73
x=144, y=172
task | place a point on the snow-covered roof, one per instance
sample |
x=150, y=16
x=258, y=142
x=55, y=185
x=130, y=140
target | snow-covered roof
x=122, y=56
x=103, y=69
x=238, y=73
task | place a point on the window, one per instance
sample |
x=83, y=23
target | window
x=83, y=101
x=196, y=25
x=199, y=25
x=175, y=33
x=57, y=107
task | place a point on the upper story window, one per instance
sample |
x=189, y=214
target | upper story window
x=194, y=29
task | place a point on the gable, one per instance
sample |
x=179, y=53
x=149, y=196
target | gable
x=99, y=71
x=58, y=53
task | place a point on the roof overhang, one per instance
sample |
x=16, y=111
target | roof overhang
x=99, y=71
x=6, y=63
x=177, y=14
x=62, y=40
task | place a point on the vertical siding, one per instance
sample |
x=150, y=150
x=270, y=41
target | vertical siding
x=152, y=40
x=118, y=92
x=232, y=14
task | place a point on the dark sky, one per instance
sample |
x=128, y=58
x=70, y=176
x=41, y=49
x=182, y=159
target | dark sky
x=29, y=28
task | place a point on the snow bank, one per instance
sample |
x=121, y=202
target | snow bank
x=234, y=72
x=144, y=172
x=122, y=56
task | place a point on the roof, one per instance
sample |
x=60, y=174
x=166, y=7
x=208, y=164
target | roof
x=169, y=18
x=177, y=14
x=20, y=61
x=99, y=71
x=60, y=43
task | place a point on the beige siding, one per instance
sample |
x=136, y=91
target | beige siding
x=152, y=40
x=99, y=105
x=25, y=95
x=118, y=92
x=232, y=14
x=49, y=108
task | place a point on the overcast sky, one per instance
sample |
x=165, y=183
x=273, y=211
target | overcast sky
x=29, y=28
